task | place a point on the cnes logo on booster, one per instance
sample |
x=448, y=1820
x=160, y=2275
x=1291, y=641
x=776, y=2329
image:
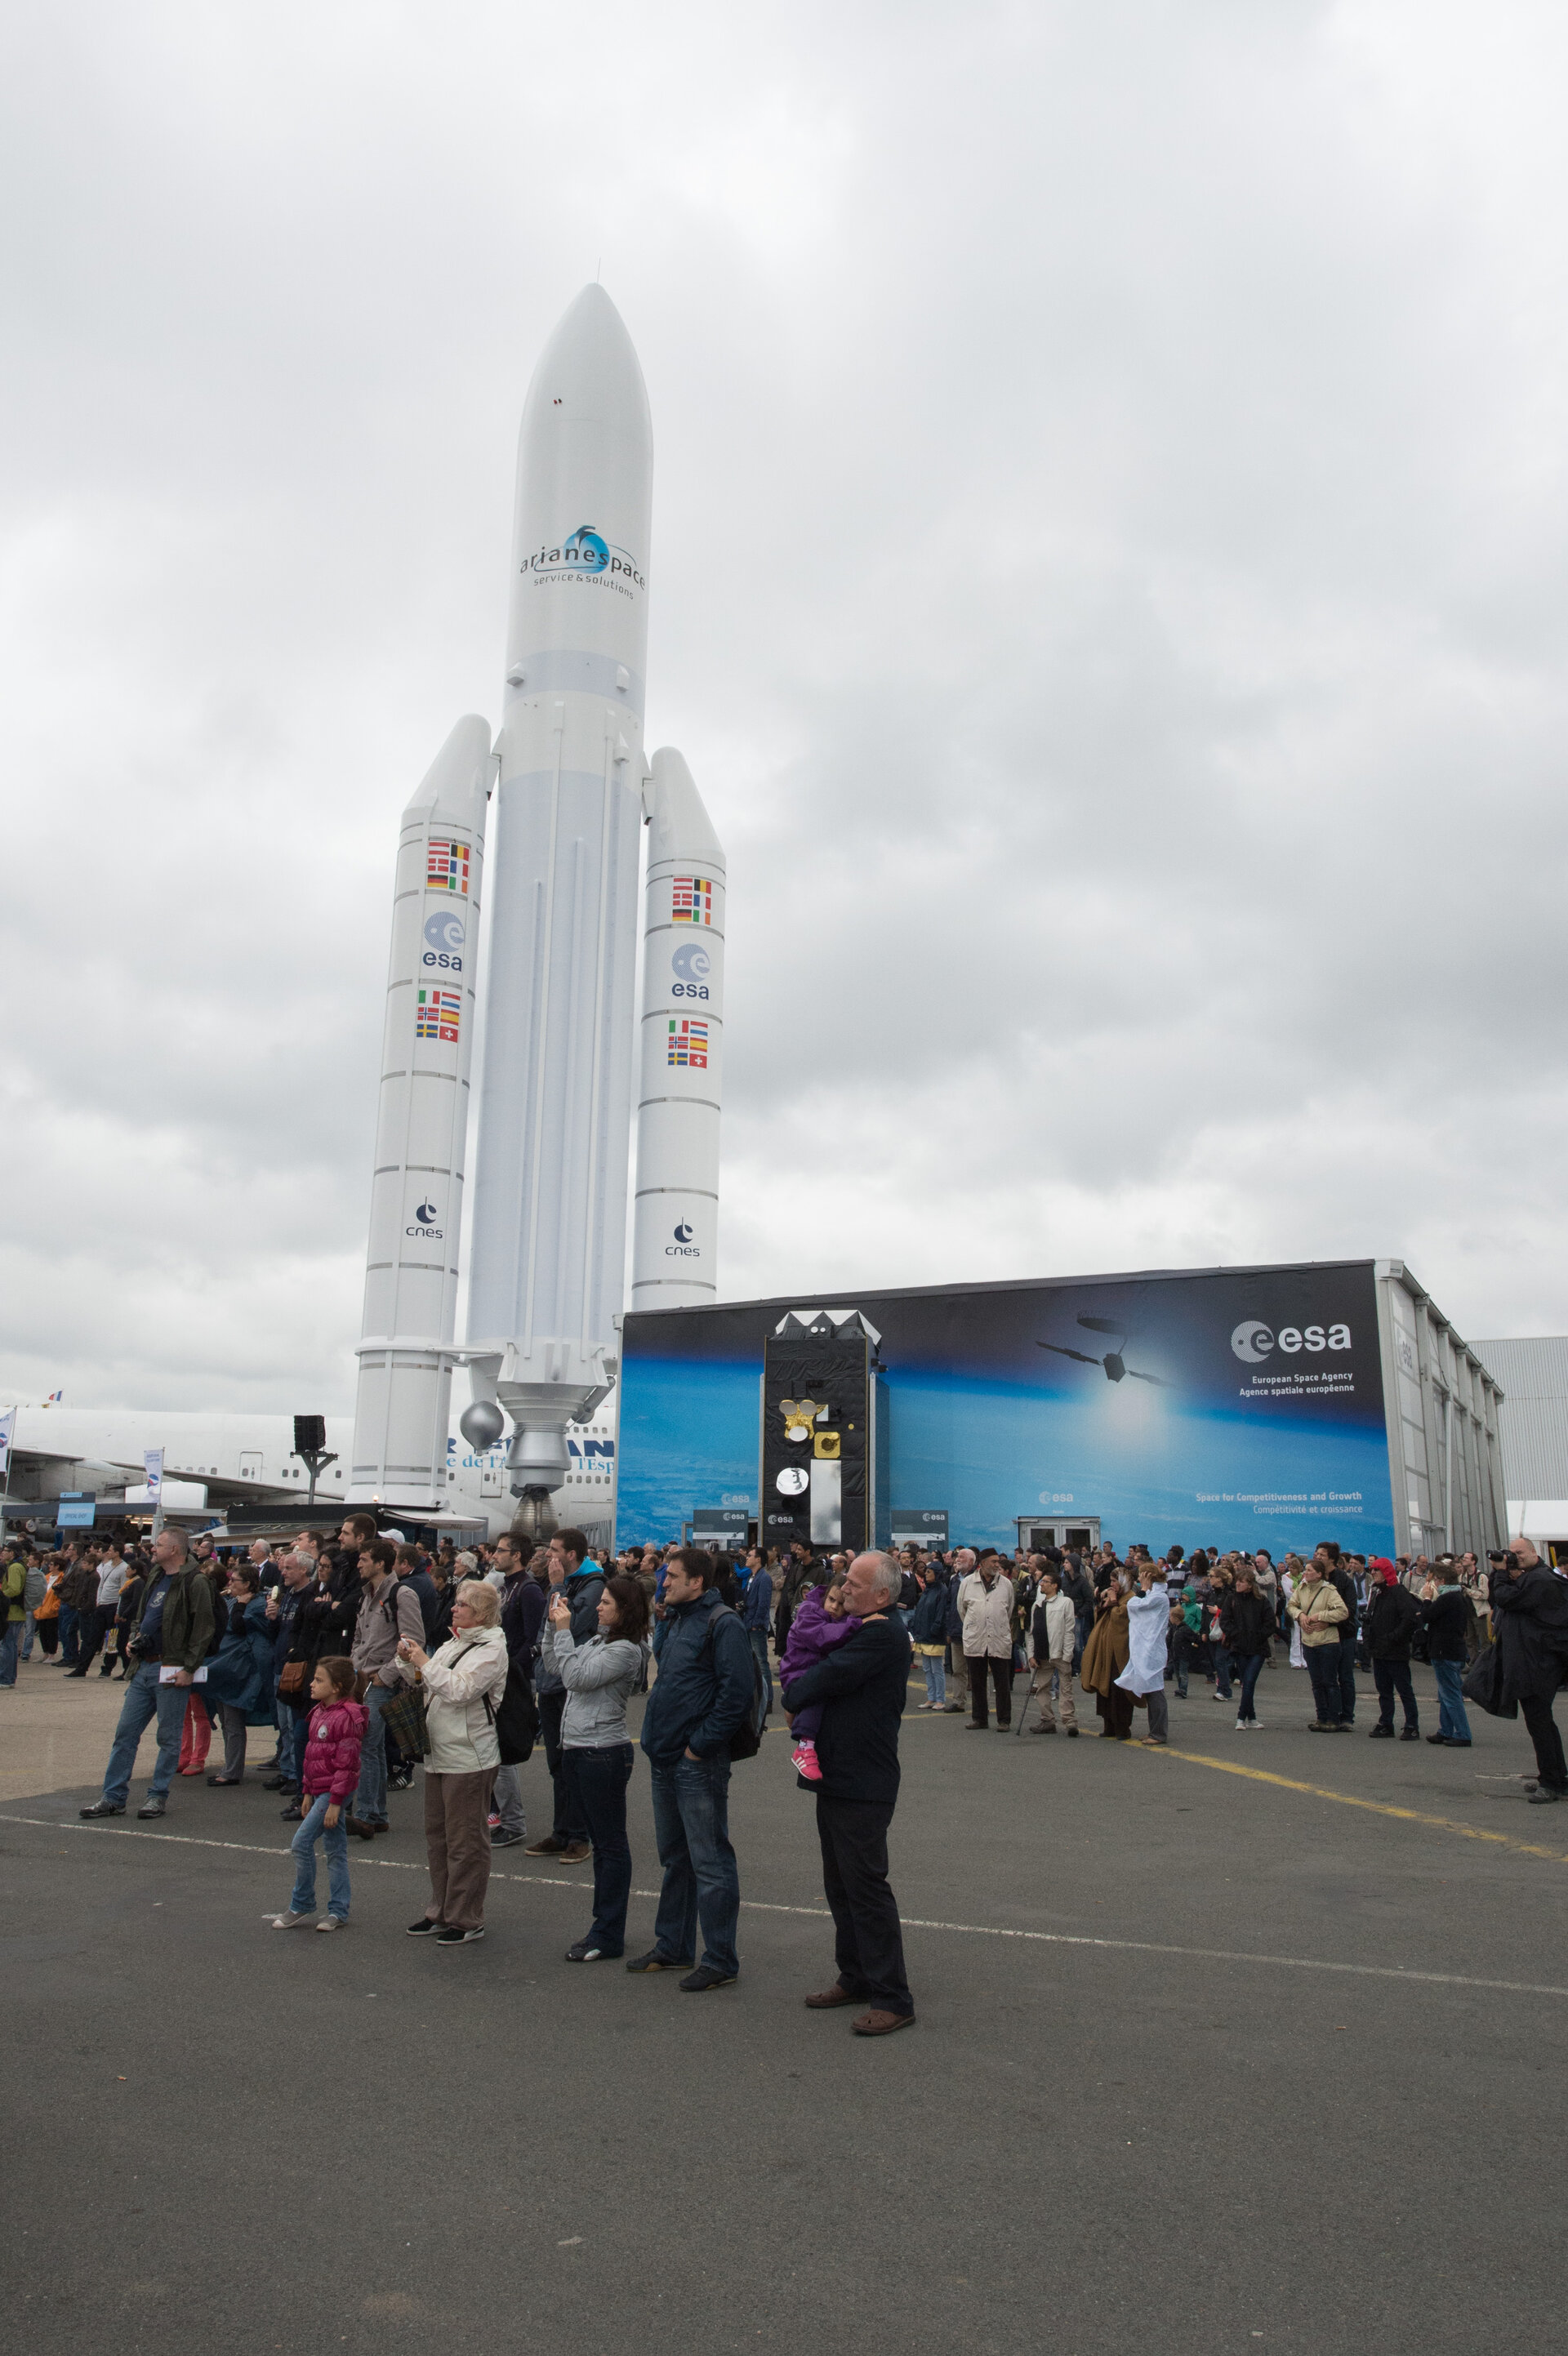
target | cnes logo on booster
x=1253, y=1340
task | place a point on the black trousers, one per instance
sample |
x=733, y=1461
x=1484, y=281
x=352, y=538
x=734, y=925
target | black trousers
x=1348, y=1678
x=868, y=1942
x=552, y=1710
x=93, y=1627
x=1548, y=1742
x=1391, y=1677
x=1001, y=1677
x=1323, y=1668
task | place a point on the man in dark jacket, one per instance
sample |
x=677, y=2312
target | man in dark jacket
x=703, y=1692
x=758, y=1612
x=862, y=1685
x=1393, y=1615
x=305, y=1622
x=78, y=1603
x=1447, y=1619
x=1530, y=1628
x=173, y=1629
x=582, y=1582
x=522, y=1617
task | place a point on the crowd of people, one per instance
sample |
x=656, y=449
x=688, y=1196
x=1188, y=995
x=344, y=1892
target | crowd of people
x=370, y=1659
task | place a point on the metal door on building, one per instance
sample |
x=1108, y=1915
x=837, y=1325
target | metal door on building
x=1078, y=1534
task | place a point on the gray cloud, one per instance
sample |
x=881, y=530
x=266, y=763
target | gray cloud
x=1109, y=582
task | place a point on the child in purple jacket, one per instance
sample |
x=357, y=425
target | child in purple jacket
x=820, y=1621
x=330, y=1781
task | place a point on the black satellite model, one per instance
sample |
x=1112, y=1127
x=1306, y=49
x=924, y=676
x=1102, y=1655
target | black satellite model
x=1114, y=1363
x=825, y=1432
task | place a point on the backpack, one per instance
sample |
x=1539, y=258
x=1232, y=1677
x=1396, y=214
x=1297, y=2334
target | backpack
x=516, y=1721
x=746, y=1740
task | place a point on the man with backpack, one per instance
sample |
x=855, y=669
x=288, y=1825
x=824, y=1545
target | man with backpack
x=702, y=1702
x=388, y=1611
x=574, y=1575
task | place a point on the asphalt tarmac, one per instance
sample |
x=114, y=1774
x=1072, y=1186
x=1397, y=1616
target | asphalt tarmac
x=1167, y=2089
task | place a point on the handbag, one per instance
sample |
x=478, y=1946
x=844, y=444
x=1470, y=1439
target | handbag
x=403, y=1717
x=291, y=1681
x=1482, y=1684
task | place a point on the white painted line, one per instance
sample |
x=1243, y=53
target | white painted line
x=910, y=1923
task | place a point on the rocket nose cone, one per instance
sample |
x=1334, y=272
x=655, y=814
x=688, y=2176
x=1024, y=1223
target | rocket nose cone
x=589, y=366
x=456, y=779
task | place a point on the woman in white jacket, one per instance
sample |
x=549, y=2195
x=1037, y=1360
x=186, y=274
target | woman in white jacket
x=462, y=1684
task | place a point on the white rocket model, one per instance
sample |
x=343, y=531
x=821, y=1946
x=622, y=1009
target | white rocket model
x=675, y=1250
x=416, y=1194
x=548, y=1263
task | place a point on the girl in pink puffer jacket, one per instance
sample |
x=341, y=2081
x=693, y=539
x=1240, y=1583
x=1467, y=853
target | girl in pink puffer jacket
x=331, y=1778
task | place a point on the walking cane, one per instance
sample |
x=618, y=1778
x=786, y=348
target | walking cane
x=1024, y=1713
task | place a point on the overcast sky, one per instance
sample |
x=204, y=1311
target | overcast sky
x=1109, y=579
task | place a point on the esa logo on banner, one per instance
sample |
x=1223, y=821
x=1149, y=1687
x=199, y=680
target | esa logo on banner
x=691, y=966
x=1253, y=1341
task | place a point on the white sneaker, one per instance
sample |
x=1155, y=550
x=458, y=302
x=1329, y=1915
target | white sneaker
x=333, y=1922
x=1240, y=1726
x=290, y=1921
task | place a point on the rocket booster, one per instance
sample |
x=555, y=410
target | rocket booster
x=675, y=1247
x=416, y=1191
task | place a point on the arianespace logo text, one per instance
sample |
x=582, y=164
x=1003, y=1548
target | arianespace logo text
x=1253, y=1341
x=586, y=555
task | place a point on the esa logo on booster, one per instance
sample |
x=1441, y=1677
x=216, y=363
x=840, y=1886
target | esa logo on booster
x=690, y=964
x=444, y=940
x=1253, y=1340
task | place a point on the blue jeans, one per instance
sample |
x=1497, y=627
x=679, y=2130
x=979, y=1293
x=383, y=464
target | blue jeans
x=9, y=1634
x=68, y=1621
x=292, y=1737
x=1451, y=1718
x=334, y=1838
x=370, y=1799
x=146, y=1700
x=1252, y=1665
x=28, y=1626
x=597, y=1779
x=936, y=1679
x=701, y=1881
x=759, y=1646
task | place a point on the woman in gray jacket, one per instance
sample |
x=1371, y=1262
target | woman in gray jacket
x=596, y=1749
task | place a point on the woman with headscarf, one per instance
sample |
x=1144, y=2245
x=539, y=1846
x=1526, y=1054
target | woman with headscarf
x=1105, y=1656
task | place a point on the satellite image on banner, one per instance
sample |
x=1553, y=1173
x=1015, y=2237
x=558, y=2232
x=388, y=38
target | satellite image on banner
x=1240, y=1406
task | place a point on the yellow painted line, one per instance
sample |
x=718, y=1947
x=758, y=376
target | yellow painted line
x=1349, y=1800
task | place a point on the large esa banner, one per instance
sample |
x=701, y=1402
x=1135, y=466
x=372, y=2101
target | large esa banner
x=1243, y=1408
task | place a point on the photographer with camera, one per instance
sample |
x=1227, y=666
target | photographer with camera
x=1529, y=1629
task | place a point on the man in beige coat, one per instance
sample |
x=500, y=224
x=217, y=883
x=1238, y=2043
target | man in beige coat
x=985, y=1608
